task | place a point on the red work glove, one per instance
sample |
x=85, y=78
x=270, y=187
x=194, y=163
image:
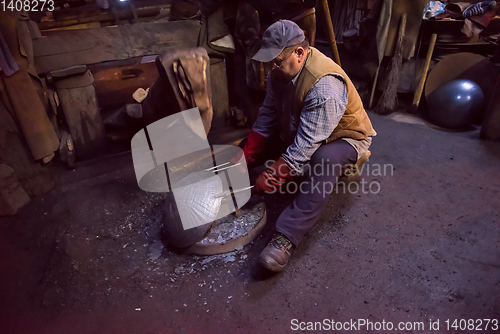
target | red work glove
x=253, y=147
x=273, y=177
x=266, y=183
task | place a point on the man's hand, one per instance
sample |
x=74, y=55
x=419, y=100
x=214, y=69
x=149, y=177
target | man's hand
x=276, y=175
x=266, y=183
x=254, y=146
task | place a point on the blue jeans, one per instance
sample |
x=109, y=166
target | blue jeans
x=313, y=193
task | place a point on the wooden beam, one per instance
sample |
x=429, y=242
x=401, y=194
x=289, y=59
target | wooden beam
x=91, y=46
x=76, y=12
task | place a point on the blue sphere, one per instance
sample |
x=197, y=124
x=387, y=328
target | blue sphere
x=455, y=104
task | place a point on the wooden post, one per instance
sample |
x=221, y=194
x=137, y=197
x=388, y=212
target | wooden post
x=420, y=88
x=331, y=33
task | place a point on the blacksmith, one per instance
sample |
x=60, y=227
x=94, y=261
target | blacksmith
x=312, y=107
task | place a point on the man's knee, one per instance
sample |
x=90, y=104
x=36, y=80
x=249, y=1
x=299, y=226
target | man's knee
x=326, y=162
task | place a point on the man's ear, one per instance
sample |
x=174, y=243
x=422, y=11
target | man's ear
x=301, y=53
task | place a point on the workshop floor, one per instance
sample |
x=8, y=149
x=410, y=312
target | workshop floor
x=427, y=246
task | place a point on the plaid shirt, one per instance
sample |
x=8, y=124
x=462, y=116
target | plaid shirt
x=323, y=108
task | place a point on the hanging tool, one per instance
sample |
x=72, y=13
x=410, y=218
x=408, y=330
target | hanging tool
x=331, y=34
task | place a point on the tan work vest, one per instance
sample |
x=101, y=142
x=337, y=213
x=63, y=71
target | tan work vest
x=353, y=124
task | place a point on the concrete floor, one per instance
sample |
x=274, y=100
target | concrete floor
x=426, y=247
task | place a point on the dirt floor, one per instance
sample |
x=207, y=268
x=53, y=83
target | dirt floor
x=425, y=247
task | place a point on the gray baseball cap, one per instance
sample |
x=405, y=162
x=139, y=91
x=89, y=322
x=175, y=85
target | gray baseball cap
x=278, y=36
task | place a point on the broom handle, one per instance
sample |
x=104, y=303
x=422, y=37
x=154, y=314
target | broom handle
x=375, y=79
x=398, y=48
x=402, y=30
x=331, y=33
x=374, y=85
x=420, y=88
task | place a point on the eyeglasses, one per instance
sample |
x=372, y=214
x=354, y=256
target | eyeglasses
x=277, y=63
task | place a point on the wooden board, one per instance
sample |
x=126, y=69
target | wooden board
x=220, y=98
x=91, y=46
x=79, y=103
x=35, y=178
x=491, y=124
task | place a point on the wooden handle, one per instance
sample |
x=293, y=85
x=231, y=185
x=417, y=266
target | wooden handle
x=331, y=33
x=420, y=88
x=374, y=85
x=399, y=44
x=402, y=30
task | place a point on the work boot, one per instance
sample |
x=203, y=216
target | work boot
x=277, y=253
